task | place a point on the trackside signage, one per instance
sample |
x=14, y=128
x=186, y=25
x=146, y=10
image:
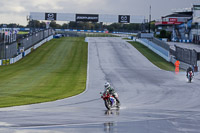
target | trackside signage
x=87, y=17
x=124, y=19
x=50, y=16
x=173, y=20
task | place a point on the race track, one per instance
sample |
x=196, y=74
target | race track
x=152, y=100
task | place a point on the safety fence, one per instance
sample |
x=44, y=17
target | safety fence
x=196, y=39
x=2, y=50
x=34, y=38
x=186, y=55
x=26, y=52
x=9, y=50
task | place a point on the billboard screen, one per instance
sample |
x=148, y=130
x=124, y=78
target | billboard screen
x=50, y=16
x=87, y=17
x=124, y=19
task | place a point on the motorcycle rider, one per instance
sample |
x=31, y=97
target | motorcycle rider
x=111, y=91
x=188, y=70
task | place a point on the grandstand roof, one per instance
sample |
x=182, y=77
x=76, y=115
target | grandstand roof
x=178, y=15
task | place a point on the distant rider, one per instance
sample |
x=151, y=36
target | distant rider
x=188, y=70
x=111, y=91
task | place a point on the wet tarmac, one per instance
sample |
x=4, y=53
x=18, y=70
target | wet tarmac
x=152, y=100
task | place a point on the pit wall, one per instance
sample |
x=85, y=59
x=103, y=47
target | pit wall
x=28, y=51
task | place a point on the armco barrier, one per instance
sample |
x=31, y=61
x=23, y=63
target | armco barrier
x=42, y=42
x=17, y=58
x=155, y=48
x=27, y=51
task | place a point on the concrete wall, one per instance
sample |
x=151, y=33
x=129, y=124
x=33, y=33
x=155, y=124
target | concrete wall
x=155, y=48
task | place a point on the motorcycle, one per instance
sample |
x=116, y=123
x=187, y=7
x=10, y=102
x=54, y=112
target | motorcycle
x=190, y=76
x=109, y=100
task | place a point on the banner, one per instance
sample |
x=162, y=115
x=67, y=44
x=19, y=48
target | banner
x=87, y=17
x=124, y=19
x=173, y=20
x=50, y=16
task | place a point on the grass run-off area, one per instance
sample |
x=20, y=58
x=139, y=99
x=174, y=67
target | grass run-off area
x=56, y=70
x=153, y=57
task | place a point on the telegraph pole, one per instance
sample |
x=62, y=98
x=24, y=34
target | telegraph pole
x=150, y=19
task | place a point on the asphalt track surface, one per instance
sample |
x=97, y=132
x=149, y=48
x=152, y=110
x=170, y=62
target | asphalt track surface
x=152, y=100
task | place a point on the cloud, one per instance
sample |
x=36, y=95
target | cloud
x=21, y=8
x=11, y=7
x=13, y=18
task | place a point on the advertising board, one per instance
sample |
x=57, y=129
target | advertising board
x=124, y=19
x=50, y=16
x=87, y=17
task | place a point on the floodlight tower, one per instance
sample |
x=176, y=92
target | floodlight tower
x=29, y=19
x=150, y=19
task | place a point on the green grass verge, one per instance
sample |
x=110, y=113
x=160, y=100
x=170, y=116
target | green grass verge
x=54, y=71
x=153, y=57
x=126, y=39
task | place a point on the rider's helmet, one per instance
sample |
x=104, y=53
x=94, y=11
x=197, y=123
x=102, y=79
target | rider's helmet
x=107, y=85
x=190, y=67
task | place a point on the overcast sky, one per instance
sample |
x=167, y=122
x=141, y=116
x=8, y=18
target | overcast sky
x=15, y=11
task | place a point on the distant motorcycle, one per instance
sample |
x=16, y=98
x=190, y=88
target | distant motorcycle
x=109, y=100
x=190, y=76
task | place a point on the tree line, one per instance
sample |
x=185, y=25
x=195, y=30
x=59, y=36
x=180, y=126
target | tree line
x=119, y=27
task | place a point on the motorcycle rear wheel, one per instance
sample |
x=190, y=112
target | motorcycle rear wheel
x=190, y=79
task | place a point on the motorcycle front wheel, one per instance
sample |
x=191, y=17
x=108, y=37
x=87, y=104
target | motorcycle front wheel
x=108, y=104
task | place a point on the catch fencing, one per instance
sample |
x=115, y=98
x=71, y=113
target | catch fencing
x=186, y=55
x=34, y=38
x=2, y=50
x=26, y=52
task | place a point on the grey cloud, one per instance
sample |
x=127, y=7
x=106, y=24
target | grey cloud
x=132, y=7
